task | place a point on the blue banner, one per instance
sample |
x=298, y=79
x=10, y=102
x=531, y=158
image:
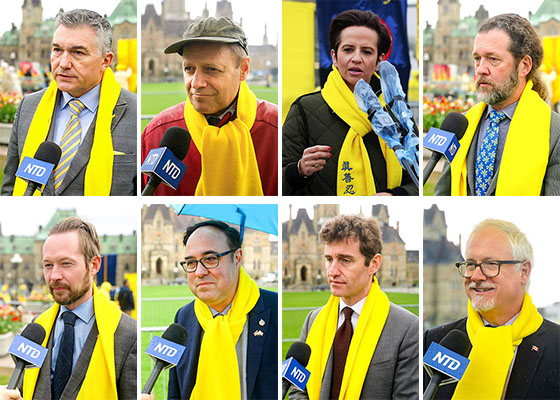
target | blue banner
x=108, y=270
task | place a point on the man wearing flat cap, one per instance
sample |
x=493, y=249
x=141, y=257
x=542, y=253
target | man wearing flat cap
x=234, y=146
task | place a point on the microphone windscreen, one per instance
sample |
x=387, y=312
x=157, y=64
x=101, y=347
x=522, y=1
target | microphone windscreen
x=49, y=152
x=34, y=331
x=455, y=122
x=456, y=341
x=300, y=351
x=177, y=140
x=176, y=333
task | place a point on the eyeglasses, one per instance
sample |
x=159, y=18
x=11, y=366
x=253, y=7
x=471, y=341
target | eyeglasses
x=210, y=261
x=490, y=268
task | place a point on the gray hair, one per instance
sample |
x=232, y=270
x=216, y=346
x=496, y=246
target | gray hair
x=81, y=17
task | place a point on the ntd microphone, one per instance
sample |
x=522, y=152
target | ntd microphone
x=27, y=351
x=444, y=141
x=446, y=360
x=166, y=352
x=293, y=372
x=165, y=164
x=37, y=170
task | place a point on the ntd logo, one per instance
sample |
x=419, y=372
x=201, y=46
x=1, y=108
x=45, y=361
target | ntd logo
x=171, y=169
x=28, y=350
x=25, y=349
x=446, y=361
x=437, y=140
x=165, y=350
x=36, y=170
x=442, y=142
x=294, y=372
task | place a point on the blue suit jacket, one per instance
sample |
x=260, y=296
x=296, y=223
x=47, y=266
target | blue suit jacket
x=262, y=351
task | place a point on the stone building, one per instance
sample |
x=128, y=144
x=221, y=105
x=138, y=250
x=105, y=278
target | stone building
x=32, y=42
x=159, y=31
x=29, y=266
x=162, y=246
x=302, y=251
x=444, y=295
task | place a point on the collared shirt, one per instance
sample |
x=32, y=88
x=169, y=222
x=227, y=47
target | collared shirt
x=357, y=308
x=240, y=349
x=82, y=327
x=503, y=127
x=63, y=113
x=510, y=322
x=231, y=109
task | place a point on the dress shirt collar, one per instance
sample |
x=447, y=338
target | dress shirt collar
x=510, y=322
x=508, y=111
x=84, y=311
x=89, y=99
x=215, y=312
x=357, y=308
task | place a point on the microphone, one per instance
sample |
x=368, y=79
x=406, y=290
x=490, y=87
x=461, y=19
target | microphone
x=165, y=162
x=293, y=368
x=444, y=141
x=384, y=126
x=446, y=359
x=394, y=97
x=37, y=170
x=26, y=351
x=165, y=351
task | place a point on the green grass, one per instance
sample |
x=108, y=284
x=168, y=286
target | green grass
x=2, y=164
x=157, y=97
x=291, y=325
x=4, y=379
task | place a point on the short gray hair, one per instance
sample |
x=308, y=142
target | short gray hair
x=80, y=17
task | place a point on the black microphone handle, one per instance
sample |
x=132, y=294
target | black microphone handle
x=154, y=375
x=428, y=169
x=16, y=375
x=286, y=384
x=433, y=386
x=152, y=185
x=31, y=187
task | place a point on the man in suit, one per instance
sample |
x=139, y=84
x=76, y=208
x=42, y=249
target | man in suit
x=515, y=353
x=232, y=325
x=85, y=332
x=99, y=144
x=358, y=323
x=498, y=155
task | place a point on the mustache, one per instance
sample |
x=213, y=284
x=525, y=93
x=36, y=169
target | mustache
x=476, y=285
x=480, y=80
x=58, y=285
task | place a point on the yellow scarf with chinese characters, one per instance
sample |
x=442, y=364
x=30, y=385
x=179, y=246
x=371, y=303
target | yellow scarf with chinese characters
x=100, y=381
x=227, y=154
x=528, y=139
x=355, y=177
x=99, y=170
x=364, y=340
x=492, y=352
x=217, y=356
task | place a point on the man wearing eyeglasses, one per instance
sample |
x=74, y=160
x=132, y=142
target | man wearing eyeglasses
x=232, y=346
x=514, y=352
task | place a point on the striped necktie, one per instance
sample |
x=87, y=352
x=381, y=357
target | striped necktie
x=70, y=142
x=484, y=169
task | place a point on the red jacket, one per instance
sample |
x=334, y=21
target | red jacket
x=265, y=139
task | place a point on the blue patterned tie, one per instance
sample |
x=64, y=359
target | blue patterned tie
x=484, y=171
x=70, y=142
x=63, y=368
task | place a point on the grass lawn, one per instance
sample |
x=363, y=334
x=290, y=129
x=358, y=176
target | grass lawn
x=157, y=97
x=2, y=164
x=293, y=320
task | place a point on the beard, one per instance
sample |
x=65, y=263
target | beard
x=70, y=296
x=479, y=302
x=498, y=93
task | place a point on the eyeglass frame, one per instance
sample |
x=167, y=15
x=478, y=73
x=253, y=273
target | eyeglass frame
x=218, y=255
x=479, y=265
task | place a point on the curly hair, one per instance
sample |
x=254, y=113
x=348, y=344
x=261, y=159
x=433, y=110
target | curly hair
x=365, y=230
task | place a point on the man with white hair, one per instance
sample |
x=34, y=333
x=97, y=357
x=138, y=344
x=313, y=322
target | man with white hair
x=515, y=352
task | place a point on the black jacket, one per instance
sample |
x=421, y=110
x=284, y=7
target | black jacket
x=311, y=122
x=535, y=373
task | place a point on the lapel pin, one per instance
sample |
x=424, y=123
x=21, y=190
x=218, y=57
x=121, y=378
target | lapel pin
x=261, y=322
x=534, y=348
x=258, y=333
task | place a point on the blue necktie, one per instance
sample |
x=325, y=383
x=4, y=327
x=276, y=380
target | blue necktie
x=70, y=142
x=484, y=171
x=63, y=368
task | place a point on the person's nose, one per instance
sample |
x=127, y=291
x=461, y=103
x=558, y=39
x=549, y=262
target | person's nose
x=200, y=270
x=198, y=80
x=481, y=67
x=478, y=275
x=56, y=273
x=65, y=61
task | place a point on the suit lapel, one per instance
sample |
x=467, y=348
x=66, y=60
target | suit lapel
x=527, y=359
x=259, y=321
x=188, y=370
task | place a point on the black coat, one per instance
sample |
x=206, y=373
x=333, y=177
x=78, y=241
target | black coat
x=535, y=373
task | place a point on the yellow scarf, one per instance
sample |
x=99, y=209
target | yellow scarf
x=492, y=352
x=355, y=177
x=364, y=340
x=229, y=163
x=218, y=358
x=528, y=139
x=99, y=171
x=100, y=381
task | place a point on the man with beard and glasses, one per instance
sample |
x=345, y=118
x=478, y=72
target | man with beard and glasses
x=511, y=144
x=91, y=343
x=515, y=353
